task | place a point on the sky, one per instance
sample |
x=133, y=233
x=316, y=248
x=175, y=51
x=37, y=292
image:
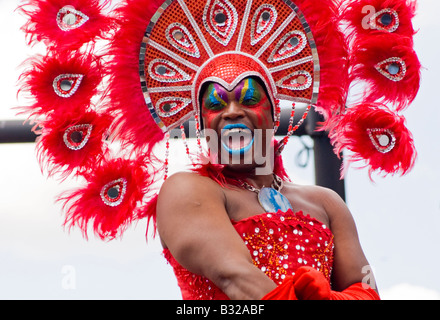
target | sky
x=398, y=218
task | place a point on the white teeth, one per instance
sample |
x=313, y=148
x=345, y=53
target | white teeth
x=228, y=132
x=237, y=138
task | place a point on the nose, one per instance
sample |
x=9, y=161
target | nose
x=233, y=111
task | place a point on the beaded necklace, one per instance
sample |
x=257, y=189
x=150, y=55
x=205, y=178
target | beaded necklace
x=270, y=198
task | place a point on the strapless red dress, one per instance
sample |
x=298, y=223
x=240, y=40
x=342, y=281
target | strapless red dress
x=279, y=244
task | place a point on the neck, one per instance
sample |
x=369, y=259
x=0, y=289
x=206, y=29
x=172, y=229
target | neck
x=251, y=177
x=260, y=181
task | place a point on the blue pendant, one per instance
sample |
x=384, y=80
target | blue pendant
x=273, y=201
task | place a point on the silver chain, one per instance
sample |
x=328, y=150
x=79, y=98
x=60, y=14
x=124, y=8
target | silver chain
x=277, y=184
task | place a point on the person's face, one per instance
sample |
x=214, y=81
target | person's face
x=234, y=116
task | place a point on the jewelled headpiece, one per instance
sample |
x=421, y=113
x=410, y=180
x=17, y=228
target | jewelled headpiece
x=148, y=78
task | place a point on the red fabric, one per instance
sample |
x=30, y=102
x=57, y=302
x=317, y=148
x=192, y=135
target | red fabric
x=279, y=244
x=309, y=284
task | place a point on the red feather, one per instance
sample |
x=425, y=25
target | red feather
x=322, y=16
x=112, y=199
x=43, y=24
x=364, y=17
x=72, y=144
x=40, y=81
x=375, y=134
x=134, y=123
x=371, y=53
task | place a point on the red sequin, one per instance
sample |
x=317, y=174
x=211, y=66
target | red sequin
x=279, y=244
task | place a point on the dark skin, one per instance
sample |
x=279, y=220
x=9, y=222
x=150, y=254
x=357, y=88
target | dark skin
x=194, y=215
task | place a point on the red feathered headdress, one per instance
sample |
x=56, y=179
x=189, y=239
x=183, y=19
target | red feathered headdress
x=146, y=80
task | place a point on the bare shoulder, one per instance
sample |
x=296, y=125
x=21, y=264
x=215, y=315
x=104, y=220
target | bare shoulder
x=186, y=201
x=187, y=188
x=322, y=200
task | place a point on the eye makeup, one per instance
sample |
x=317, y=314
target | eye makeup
x=247, y=93
x=217, y=97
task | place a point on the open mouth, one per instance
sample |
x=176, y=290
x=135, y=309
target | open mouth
x=237, y=138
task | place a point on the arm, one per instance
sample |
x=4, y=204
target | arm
x=194, y=225
x=348, y=266
x=350, y=262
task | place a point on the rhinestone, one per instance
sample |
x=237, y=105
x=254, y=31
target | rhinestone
x=167, y=107
x=394, y=69
x=178, y=35
x=257, y=230
x=265, y=16
x=220, y=18
x=76, y=136
x=66, y=85
x=294, y=42
x=113, y=193
x=271, y=231
x=386, y=19
x=285, y=266
x=69, y=19
x=301, y=80
x=161, y=70
x=384, y=140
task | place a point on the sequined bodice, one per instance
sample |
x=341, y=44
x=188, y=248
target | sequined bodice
x=279, y=244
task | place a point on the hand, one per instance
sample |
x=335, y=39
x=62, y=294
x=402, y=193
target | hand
x=311, y=284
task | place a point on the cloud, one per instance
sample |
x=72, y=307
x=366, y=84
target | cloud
x=406, y=291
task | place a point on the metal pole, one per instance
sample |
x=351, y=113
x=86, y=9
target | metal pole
x=16, y=131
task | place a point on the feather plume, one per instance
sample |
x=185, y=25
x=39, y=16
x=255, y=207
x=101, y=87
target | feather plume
x=375, y=17
x=111, y=200
x=64, y=83
x=390, y=67
x=322, y=16
x=134, y=123
x=80, y=22
x=377, y=135
x=72, y=144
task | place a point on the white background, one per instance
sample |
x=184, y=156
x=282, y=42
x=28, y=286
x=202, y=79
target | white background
x=398, y=218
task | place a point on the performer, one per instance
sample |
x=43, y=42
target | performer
x=234, y=226
x=226, y=240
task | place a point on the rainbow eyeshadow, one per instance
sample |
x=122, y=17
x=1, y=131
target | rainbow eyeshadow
x=216, y=97
x=248, y=94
